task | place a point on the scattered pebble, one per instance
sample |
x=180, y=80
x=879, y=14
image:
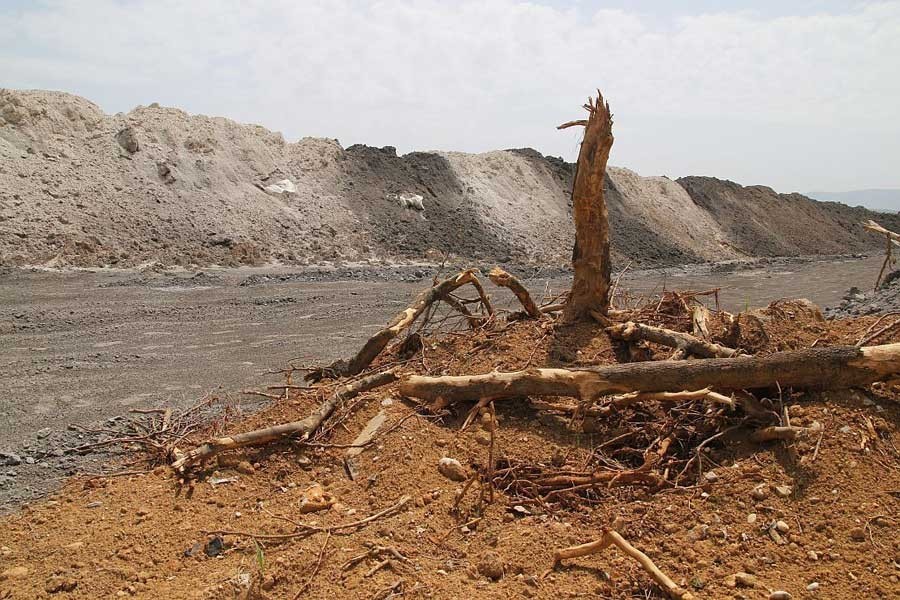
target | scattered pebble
x=780, y=595
x=751, y=518
x=452, y=469
x=782, y=527
x=741, y=579
x=784, y=491
x=858, y=534
x=812, y=586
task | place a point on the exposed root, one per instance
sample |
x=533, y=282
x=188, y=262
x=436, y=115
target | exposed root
x=612, y=538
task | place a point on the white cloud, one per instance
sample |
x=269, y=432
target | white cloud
x=796, y=102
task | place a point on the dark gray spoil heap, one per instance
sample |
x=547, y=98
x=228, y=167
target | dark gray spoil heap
x=857, y=302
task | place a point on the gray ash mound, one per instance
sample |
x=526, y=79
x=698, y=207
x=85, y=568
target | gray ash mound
x=857, y=302
x=79, y=187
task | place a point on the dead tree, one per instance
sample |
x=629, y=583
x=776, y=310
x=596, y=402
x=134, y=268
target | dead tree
x=818, y=368
x=590, y=256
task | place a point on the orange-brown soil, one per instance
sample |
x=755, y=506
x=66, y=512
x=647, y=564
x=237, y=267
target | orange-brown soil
x=835, y=497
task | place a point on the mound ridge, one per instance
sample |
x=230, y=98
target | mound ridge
x=79, y=187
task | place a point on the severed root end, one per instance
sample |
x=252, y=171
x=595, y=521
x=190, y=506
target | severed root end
x=612, y=538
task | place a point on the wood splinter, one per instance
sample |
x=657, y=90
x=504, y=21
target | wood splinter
x=612, y=538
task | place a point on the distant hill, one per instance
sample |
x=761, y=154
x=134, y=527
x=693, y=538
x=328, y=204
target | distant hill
x=885, y=200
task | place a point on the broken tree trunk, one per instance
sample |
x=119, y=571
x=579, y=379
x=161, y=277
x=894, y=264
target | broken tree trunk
x=302, y=429
x=590, y=256
x=500, y=277
x=684, y=343
x=821, y=368
x=375, y=344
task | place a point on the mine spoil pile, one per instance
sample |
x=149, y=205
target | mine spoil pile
x=591, y=444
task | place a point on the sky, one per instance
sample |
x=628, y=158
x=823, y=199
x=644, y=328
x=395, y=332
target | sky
x=799, y=96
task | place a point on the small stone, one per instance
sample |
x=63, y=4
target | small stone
x=741, y=579
x=698, y=532
x=784, y=490
x=244, y=467
x=96, y=504
x=58, y=583
x=760, y=492
x=780, y=595
x=812, y=586
x=711, y=476
x=74, y=546
x=782, y=527
x=14, y=573
x=751, y=518
x=812, y=555
x=452, y=469
x=490, y=565
x=10, y=459
x=858, y=534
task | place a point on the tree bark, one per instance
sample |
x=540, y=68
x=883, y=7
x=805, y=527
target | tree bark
x=590, y=256
x=817, y=368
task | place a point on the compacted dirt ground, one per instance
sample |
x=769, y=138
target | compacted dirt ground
x=813, y=518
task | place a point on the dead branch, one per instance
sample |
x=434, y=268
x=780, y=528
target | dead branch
x=684, y=343
x=612, y=538
x=500, y=277
x=303, y=429
x=820, y=368
x=375, y=344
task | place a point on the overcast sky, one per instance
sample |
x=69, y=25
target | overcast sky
x=796, y=95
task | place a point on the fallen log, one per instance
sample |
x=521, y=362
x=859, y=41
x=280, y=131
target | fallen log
x=375, y=344
x=684, y=343
x=816, y=368
x=301, y=429
x=500, y=277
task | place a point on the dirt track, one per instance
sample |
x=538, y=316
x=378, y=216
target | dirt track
x=84, y=347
